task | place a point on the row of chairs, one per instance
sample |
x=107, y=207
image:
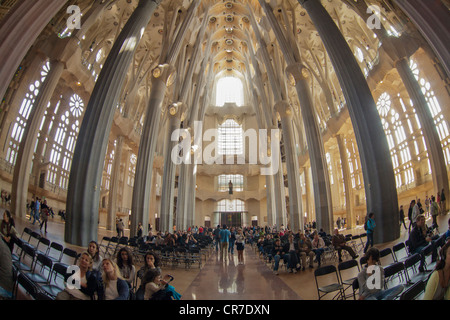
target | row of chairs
x=402, y=268
x=175, y=256
x=39, y=273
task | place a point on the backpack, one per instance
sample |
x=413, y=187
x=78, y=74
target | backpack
x=365, y=225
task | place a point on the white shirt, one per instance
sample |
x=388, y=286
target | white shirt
x=111, y=292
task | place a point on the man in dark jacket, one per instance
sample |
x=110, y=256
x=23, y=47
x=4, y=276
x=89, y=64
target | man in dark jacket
x=339, y=243
x=419, y=239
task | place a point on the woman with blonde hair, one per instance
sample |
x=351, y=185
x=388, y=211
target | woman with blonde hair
x=114, y=286
x=88, y=282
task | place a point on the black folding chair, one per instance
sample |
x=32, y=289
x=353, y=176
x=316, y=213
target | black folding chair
x=397, y=250
x=343, y=266
x=393, y=271
x=322, y=291
x=414, y=291
x=55, y=252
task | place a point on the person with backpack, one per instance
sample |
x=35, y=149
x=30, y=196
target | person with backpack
x=369, y=226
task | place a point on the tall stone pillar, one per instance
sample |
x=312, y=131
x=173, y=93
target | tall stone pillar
x=88, y=160
x=379, y=181
x=22, y=168
x=351, y=223
x=19, y=30
x=432, y=20
x=114, y=185
x=294, y=187
x=319, y=170
x=162, y=77
x=298, y=77
x=168, y=182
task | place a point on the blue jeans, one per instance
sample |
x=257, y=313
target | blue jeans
x=231, y=246
x=388, y=294
x=277, y=259
x=369, y=241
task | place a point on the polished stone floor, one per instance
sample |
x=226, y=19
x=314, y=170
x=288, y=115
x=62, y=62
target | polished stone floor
x=228, y=280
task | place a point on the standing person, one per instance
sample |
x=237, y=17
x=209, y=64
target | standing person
x=230, y=187
x=121, y=227
x=217, y=237
x=375, y=292
x=402, y=217
x=8, y=230
x=338, y=222
x=232, y=241
x=434, y=210
x=44, y=215
x=442, y=204
x=415, y=212
x=33, y=208
x=224, y=236
x=427, y=205
x=37, y=207
x=370, y=229
x=140, y=230
x=240, y=245
x=410, y=210
x=438, y=285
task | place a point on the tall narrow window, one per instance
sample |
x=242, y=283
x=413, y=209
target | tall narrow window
x=24, y=112
x=435, y=109
x=230, y=138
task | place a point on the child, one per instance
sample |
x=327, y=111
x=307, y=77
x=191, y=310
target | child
x=152, y=283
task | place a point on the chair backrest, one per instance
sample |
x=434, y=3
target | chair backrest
x=393, y=269
x=55, y=247
x=123, y=240
x=45, y=242
x=414, y=291
x=386, y=252
x=59, y=271
x=27, y=231
x=322, y=271
x=397, y=248
x=28, y=285
x=36, y=236
x=70, y=253
x=427, y=250
x=29, y=251
x=347, y=265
